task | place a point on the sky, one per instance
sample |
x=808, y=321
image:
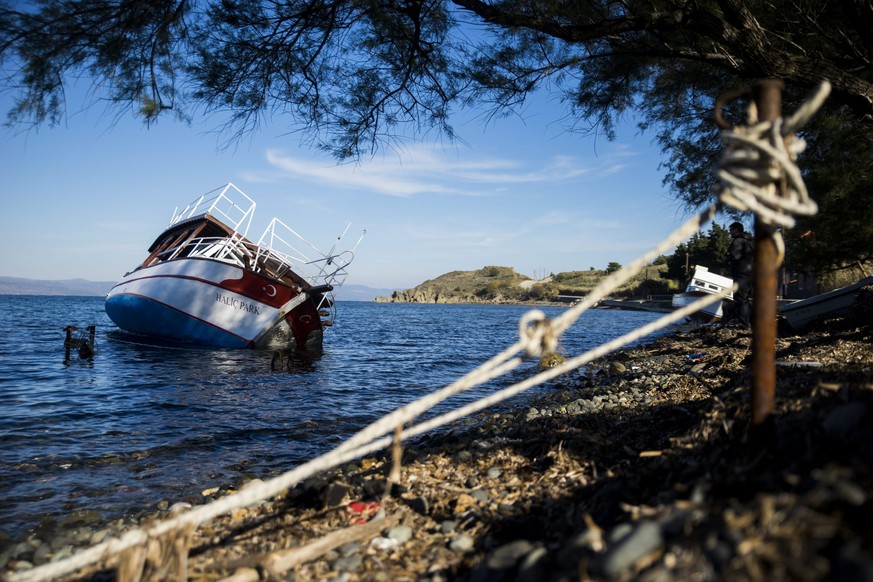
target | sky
x=85, y=199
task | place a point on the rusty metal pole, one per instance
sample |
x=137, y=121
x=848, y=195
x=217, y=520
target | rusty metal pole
x=768, y=98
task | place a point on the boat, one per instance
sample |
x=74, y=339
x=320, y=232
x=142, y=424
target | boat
x=840, y=301
x=648, y=304
x=205, y=283
x=704, y=282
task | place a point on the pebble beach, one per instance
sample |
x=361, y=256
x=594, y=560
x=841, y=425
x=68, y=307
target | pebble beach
x=637, y=467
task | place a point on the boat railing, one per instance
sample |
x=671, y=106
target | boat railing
x=328, y=270
x=227, y=203
x=332, y=268
x=234, y=250
x=283, y=243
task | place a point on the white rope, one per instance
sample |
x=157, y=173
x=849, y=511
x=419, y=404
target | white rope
x=566, y=366
x=537, y=336
x=367, y=440
x=761, y=155
x=527, y=344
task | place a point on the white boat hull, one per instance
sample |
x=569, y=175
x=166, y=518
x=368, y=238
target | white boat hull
x=212, y=303
x=711, y=311
x=705, y=283
x=837, y=302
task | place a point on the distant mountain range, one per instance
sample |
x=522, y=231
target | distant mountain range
x=81, y=287
x=18, y=286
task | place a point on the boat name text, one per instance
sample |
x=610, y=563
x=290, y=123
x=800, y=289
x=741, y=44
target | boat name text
x=237, y=304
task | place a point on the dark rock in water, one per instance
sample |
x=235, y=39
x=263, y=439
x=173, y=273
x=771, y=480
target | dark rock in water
x=293, y=360
x=281, y=359
x=81, y=518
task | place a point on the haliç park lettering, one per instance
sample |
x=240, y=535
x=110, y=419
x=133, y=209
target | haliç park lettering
x=237, y=304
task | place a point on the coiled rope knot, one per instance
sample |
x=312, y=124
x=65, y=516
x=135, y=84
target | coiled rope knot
x=536, y=334
x=759, y=156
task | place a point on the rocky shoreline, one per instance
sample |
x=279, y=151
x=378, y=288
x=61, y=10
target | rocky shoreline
x=638, y=468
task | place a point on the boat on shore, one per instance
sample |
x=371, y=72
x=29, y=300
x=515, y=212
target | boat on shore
x=205, y=283
x=649, y=304
x=703, y=282
x=837, y=302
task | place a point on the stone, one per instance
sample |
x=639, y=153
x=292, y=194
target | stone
x=494, y=473
x=841, y=421
x=42, y=554
x=617, y=368
x=533, y=567
x=374, y=487
x=348, y=563
x=179, y=507
x=401, y=533
x=644, y=538
x=383, y=544
x=82, y=517
x=508, y=555
x=334, y=494
x=349, y=549
x=480, y=495
x=461, y=543
x=418, y=505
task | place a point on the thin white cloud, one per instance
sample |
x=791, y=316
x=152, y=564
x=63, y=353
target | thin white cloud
x=553, y=218
x=423, y=171
x=371, y=177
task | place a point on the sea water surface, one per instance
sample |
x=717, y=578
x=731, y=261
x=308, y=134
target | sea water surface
x=141, y=423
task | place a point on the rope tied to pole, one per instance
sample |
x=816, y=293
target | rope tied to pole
x=760, y=155
x=753, y=151
x=536, y=334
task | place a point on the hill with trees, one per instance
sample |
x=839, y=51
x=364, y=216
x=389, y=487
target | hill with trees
x=493, y=284
x=666, y=275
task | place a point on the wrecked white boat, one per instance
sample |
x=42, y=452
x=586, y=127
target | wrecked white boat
x=703, y=282
x=837, y=302
x=203, y=282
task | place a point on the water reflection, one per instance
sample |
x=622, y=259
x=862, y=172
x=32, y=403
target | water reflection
x=295, y=361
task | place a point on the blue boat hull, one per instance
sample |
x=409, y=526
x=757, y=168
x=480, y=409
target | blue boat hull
x=141, y=315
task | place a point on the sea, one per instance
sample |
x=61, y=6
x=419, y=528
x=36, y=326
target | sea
x=142, y=422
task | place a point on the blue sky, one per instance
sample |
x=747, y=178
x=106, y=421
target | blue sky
x=85, y=199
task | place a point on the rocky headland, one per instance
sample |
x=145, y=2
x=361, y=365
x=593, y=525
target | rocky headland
x=495, y=284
